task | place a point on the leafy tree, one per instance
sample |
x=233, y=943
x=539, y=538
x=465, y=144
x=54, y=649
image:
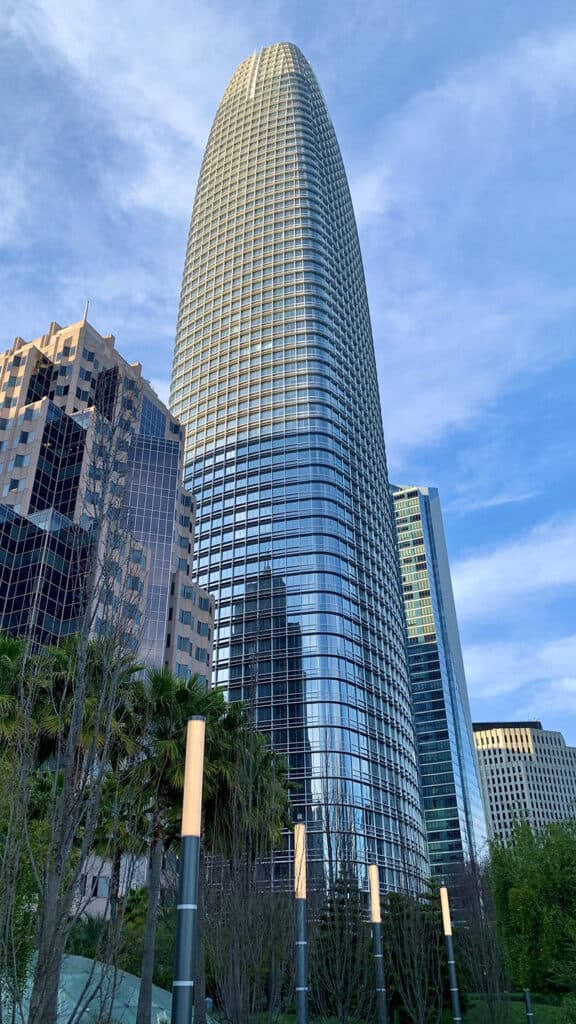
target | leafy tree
x=534, y=885
x=58, y=731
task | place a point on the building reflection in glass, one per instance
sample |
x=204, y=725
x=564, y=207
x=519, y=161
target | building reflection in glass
x=274, y=380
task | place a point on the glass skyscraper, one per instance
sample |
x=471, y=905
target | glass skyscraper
x=453, y=807
x=274, y=379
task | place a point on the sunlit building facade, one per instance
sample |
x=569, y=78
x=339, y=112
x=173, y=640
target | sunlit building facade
x=274, y=380
x=95, y=525
x=452, y=799
x=529, y=774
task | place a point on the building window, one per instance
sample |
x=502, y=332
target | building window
x=100, y=886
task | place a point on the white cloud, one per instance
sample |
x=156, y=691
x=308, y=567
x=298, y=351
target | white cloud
x=472, y=502
x=156, y=72
x=477, y=110
x=487, y=585
x=454, y=174
x=445, y=353
x=497, y=668
x=521, y=681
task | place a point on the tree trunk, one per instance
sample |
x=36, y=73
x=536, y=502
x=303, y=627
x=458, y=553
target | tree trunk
x=52, y=940
x=144, y=1011
x=115, y=882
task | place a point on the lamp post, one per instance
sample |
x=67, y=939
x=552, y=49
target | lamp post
x=187, y=907
x=376, y=921
x=528, y=1005
x=447, y=923
x=301, y=938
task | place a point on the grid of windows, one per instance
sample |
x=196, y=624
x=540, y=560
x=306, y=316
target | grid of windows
x=454, y=815
x=528, y=773
x=274, y=379
x=114, y=457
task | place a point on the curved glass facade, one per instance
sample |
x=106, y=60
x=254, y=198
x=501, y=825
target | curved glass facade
x=275, y=381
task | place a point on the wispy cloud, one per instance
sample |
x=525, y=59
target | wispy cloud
x=498, y=668
x=457, y=177
x=541, y=560
x=476, y=110
x=465, y=503
x=158, y=86
x=520, y=681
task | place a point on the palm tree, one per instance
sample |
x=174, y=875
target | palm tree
x=159, y=774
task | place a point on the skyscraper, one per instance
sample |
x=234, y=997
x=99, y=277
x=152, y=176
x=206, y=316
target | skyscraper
x=92, y=508
x=453, y=808
x=274, y=379
x=529, y=774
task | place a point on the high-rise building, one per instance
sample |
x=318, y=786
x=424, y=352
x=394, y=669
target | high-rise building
x=529, y=774
x=274, y=379
x=94, y=515
x=453, y=809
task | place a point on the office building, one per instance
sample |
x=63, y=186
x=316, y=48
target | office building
x=454, y=814
x=274, y=379
x=94, y=520
x=528, y=773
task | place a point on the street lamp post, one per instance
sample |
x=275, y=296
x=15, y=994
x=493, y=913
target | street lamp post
x=187, y=907
x=528, y=1005
x=301, y=923
x=376, y=920
x=447, y=923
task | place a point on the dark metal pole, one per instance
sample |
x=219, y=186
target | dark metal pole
x=301, y=924
x=446, y=921
x=528, y=1002
x=376, y=920
x=187, y=907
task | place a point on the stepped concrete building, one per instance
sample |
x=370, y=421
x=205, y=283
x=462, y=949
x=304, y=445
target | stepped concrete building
x=529, y=774
x=94, y=519
x=274, y=379
x=453, y=808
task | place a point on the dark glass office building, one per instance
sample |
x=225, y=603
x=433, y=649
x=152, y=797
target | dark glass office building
x=453, y=808
x=274, y=379
x=93, y=514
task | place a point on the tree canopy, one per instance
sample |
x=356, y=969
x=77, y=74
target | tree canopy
x=534, y=885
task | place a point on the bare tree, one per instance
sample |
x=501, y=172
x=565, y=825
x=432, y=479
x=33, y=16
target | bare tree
x=248, y=925
x=414, y=955
x=341, y=963
x=479, y=946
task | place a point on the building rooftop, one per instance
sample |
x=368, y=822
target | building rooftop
x=482, y=726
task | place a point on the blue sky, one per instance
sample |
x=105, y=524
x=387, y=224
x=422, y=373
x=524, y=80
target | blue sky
x=457, y=122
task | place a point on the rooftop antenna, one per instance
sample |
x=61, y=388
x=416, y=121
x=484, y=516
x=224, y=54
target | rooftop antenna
x=85, y=317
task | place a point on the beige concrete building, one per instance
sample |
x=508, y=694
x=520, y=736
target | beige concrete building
x=93, y=514
x=527, y=772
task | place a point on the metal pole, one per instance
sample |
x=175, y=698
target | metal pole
x=187, y=907
x=446, y=921
x=301, y=924
x=376, y=920
x=528, y=1002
